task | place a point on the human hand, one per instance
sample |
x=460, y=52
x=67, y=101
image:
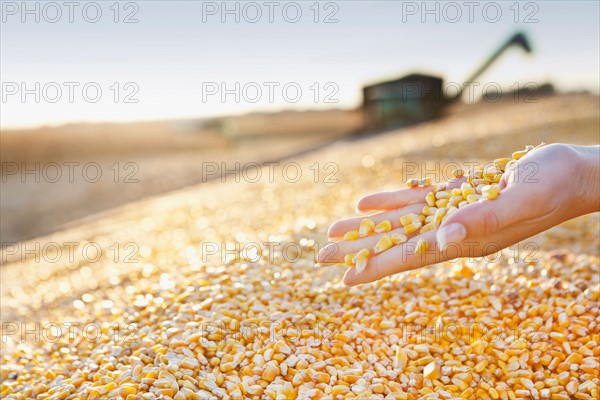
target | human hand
x=548, y=186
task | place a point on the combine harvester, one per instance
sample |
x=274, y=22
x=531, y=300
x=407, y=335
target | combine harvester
x=416, y=97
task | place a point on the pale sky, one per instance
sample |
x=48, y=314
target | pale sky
x=178, y=51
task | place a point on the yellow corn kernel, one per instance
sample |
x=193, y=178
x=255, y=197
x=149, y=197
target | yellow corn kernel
x=490, y=172
x=441, y=203
x=518, y=154
x=348, y=259
x=458, y=173
x=432, y=371
x=493, y=393
x=467, y=192
x=383, y=226
x=398, y=238
x=425, y=182
x=501, y=163
x=421, y=247
x=442, y=195
x=454, y=200
x=428, y=210
x=366, y=227
x=429, y=219
x=430, y=199
x=412, y=227
x=383, y=244
x=408, y=219
x=439, y=217
x=401, y=359
x=490, y=191
x=479, y=187
x=480, y=366
x=360, y=260
x=351, y=235
x=412, y=183
x=427, y=228
x=439, y=187
x=473, y=198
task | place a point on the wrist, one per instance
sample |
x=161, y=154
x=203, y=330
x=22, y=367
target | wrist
x=588, y=178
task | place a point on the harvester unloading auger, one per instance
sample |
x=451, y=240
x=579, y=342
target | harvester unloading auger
x=416, y=97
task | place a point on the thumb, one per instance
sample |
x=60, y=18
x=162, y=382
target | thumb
x=479, y=220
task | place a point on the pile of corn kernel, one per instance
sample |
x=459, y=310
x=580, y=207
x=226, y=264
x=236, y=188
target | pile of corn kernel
x=521, y=325
x=481, y=183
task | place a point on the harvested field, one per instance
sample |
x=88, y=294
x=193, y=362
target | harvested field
x=212, y=292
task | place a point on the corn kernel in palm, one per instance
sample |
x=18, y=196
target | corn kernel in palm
x=366, y=227
x=467, y=192
x=473, y=198
x=430, y=199
x=361, y=264
x=518, y=154
x=438, y=187
x=398, y=238
x=441, y=203
x=428, y=210
x=412, y=183
x=456, y=192
x=412, y=227
x=454, y=200
x=458, y=173
x=497, y=178
x=408, y=218
x=429, y=219
x=383, y=226
x=442, y=195
x=421, y=247
x=360, y=260
x=351, y=235
x=490, y=172
x=383, y=244
x=491, y=191
x=427, y=228
x=425, y=182
x=348, y=259
x=463, y=204
x=439, y=216
x=501, y=163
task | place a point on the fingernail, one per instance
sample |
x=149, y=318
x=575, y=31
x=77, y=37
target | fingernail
x=452, y=233
x=325, y=253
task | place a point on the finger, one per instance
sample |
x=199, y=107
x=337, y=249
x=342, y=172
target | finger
x=397, y=259
x=335, y=252
x=393, y=199
x=402, y=258
x=483, y=219
x=339, y=228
